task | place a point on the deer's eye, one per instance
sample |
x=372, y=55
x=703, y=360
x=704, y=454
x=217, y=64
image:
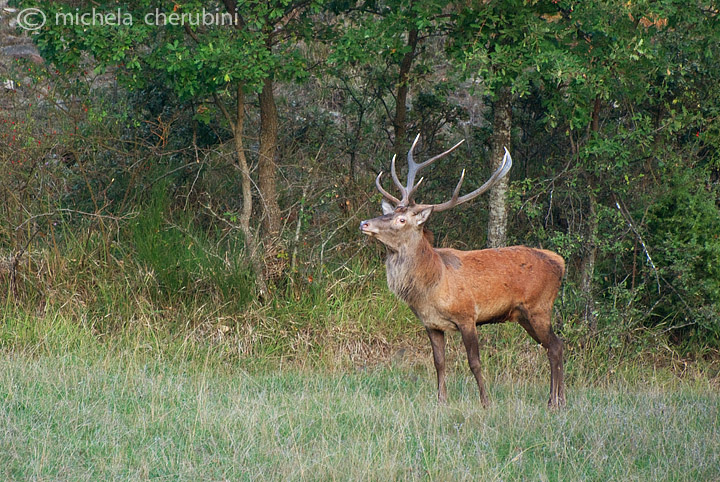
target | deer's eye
x=401, y=220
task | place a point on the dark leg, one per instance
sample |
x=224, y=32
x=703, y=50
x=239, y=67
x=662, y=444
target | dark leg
x=538, y=327
x=437, y=340
x=470, y=340
x=557, y=384
x=522, y=321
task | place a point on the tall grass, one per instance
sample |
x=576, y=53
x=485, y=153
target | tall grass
x=137, y=410
x=103, y=380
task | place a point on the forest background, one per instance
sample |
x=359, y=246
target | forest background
x=208, y=180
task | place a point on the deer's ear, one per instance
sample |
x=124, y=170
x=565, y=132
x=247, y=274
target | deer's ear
x=423, y=215
x=387, y=208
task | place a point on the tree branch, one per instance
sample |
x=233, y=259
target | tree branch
x=225, y=112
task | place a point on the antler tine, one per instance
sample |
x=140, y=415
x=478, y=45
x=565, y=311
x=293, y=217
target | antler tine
x=385, y=194
x=442, y=154
x=395, y=179
x=459, y=184
x=408, y=190
x=412, y=149
x=414, y=167
x=448, y=204
x=497, y=175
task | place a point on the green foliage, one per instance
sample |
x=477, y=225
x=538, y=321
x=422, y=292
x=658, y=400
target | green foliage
x=367, y=55
x=378, y=31
x=181, y=257
x=685, y=228
x=615, y=141
x=191, y=57
x=505, y=43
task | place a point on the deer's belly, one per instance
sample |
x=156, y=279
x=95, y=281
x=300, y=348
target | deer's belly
x=439, y=324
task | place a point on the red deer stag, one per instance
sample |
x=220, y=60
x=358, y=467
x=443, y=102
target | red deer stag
x=452, y=290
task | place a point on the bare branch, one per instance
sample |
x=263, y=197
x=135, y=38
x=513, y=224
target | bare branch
x=74, y=211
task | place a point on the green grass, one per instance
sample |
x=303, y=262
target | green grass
x=137, y=412
x=333, y=380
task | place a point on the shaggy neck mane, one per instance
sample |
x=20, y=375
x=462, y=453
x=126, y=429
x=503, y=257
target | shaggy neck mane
x=411, y=271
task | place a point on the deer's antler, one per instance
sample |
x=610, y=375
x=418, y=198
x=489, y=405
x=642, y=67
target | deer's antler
x=408, y=191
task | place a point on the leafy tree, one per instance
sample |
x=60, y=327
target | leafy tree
x=387, y=41
x=240, y=51
x=613, y=98
x=619, y=83
x=504, y=44
x=685, y=227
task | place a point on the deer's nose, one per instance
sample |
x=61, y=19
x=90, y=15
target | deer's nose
x=364, y=225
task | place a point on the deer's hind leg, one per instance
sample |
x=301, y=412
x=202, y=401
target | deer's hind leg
x=540, y=329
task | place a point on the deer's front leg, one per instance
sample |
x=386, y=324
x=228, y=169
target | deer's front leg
x=437, y=340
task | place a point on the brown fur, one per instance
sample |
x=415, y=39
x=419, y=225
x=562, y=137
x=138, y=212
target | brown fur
x=453, y=290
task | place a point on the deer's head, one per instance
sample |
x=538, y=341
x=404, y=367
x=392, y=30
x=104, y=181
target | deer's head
x=403, y=219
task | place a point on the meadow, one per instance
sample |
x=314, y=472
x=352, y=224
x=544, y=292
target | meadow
x=148, y=406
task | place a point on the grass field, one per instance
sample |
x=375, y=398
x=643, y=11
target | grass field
x=135, y=413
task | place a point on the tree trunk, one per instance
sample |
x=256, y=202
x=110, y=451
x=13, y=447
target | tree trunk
x=587, y=269
x=267, y=166
x=400, y=120
x=588, y=263
x=252, y=245
x=251, y=242
x=502, y=123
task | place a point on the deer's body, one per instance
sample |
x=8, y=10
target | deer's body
x=453, y=290
x=445, y=287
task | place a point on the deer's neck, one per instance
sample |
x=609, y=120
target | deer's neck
x=412, y=271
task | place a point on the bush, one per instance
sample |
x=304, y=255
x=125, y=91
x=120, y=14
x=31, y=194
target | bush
x=685, y=229
x=181, y=256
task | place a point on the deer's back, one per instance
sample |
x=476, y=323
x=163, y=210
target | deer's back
x=489, y=284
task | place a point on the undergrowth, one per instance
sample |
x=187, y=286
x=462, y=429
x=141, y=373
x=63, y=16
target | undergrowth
x=175, y=279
